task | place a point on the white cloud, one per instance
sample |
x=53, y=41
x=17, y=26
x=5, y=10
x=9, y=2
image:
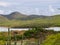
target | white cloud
x=37, y=11
x=2, y=12
x=7, y=4
x=51, y=9
x=4, y=4
x=40, y=0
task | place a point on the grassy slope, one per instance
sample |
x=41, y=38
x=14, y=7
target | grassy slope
x=2, y=19
x=52, y=40
x=55, y=20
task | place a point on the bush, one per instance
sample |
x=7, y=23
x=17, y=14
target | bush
x=2, y=42
x=52, y=40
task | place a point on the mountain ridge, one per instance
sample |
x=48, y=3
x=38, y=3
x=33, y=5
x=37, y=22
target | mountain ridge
x=20, y=16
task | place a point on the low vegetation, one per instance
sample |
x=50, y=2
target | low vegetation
x=34, y=21
x=53, y=39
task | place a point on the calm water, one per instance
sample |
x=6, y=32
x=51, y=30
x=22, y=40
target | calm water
x=6, y=28
x=53, y=28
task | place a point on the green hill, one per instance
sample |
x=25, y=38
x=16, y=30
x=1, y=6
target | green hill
x=15, y=16
x=17, y=19
x=20, y=16
x=3, y=19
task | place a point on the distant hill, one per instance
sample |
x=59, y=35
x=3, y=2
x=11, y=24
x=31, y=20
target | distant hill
x=36, y=16
x=15, y=16
x=3, y=19
x=20, y=16
x=22, y=20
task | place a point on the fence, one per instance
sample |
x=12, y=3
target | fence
x=24, y=42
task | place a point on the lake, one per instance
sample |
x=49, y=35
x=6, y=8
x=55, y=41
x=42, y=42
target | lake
x=53, y=28
x=6, y=29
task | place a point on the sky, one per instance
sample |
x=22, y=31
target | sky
x=40, y=7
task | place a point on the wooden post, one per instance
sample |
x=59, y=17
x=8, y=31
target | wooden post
x=22, y=40
x=9, y=37
x=15, y=39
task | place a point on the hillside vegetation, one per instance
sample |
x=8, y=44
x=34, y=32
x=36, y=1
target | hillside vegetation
x=52, y=40
x=17, y=19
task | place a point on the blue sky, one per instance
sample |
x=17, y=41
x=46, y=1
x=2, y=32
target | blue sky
x=41, y=7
